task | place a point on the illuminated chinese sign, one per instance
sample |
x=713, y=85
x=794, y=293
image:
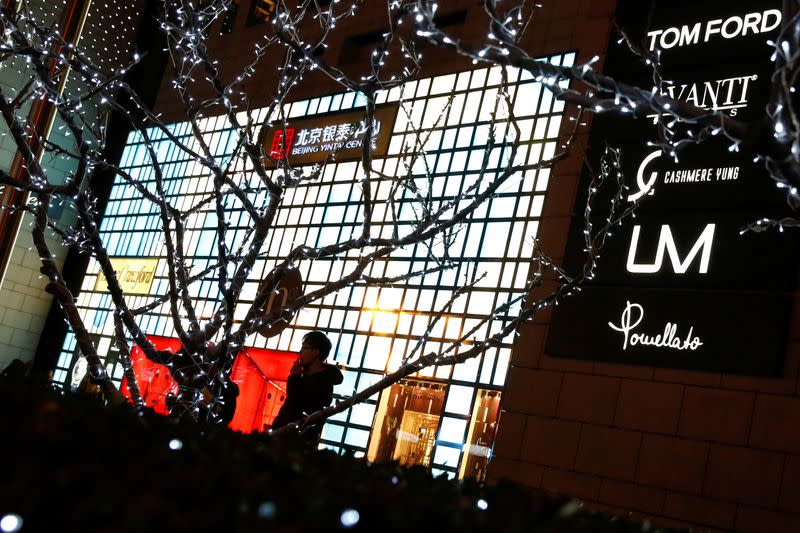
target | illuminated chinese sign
x=680, y=286
x=339, y=135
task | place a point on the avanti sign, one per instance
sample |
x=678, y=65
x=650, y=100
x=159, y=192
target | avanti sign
x=680, y=286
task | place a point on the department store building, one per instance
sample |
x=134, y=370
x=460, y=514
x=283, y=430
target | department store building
x=666, y=389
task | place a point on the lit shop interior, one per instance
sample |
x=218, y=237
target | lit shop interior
x=443, y=418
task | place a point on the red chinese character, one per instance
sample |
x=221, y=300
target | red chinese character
x=281, y=143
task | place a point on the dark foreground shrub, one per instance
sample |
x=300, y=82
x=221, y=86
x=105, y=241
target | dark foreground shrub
x=71, y=464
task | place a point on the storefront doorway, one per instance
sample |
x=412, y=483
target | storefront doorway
x=408, y=419
x=482, y=429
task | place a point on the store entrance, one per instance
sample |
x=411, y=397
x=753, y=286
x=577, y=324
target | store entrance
x=416, y=439
x=483, y=427
x=408, y=419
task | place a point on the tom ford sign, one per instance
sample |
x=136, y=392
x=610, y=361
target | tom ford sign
x=761, y=21
x=680, y=286
x=341, y=135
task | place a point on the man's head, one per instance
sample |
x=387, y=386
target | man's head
x=316, y=346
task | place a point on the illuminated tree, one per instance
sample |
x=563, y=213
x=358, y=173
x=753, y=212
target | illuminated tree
x=299, y=33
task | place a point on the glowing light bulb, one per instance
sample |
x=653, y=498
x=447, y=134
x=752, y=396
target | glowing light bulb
x=350, y=518
x=11, y=523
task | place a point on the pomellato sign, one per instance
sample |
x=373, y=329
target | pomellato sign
x=340, y=135
x=680, y=286
x=632, y=316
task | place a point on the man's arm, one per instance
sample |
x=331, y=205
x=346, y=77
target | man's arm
x=294, y=384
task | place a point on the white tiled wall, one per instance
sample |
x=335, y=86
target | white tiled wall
x=23, y=303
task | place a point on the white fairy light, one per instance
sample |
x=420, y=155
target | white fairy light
x=11, y=523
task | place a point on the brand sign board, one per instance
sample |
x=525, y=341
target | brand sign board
x=692, y=249
x=340, y=134
x=679, y=285
x=135, y=275
x=675, y=329
x=288, y=288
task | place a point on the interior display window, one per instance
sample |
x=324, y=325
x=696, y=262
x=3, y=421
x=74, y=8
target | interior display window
x=482, y=429
x=261, y=376
x=153, y=379
x=408, y=422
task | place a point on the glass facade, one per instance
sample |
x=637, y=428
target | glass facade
x=452, y=118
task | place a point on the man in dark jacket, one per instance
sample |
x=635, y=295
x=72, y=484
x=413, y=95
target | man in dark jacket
x=310, y=384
